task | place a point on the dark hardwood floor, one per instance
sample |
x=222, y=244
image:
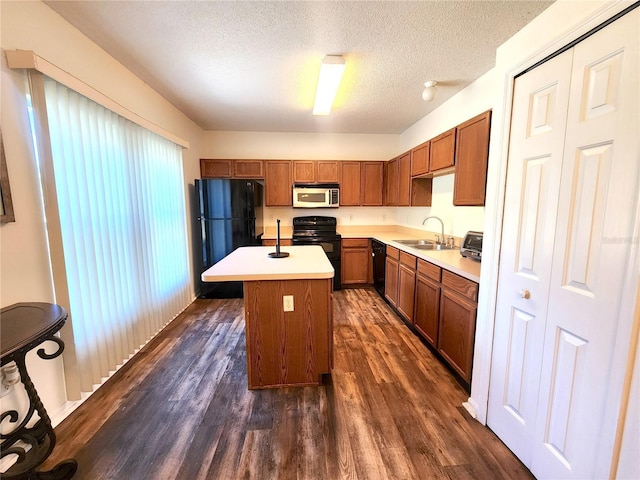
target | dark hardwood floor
x=181, y=409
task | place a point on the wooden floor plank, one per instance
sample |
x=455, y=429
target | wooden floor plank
x=180, y=409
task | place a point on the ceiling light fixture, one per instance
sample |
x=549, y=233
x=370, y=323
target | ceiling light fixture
x=430, y=90
x=331, y=72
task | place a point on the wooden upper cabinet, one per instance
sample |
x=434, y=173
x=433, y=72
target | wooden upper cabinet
x=327, y=171
x=472, y=155
x=404, y=180
x=248, y=169
x=220, y=168
x=350, y=185
x=316, y=171
x=420, y=159
x=278, y=183
x=371, y=184
x=391, y=182
x=213, y=168
x=442, y=151
x=361, y=183
x=304, y=171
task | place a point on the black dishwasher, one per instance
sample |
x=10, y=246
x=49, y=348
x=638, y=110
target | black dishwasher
x=379, y=252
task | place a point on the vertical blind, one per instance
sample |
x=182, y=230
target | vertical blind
x=121, y=203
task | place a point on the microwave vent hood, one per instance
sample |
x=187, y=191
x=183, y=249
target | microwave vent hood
x=316, y=185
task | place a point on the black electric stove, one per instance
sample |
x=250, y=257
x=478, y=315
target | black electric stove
x=316, y=230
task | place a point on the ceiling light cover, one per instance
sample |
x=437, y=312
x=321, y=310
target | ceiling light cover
x=331, y=72
x=430, y=90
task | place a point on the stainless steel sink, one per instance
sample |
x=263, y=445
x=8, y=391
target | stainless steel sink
x=413, y=243
x=424, y=245
x=432, y=246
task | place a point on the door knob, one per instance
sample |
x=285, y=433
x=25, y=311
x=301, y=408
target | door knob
x=526, y=294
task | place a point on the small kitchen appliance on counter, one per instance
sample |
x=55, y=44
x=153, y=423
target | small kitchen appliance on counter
x=472, y=246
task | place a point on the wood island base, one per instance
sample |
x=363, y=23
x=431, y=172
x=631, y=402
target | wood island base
x=288, y=348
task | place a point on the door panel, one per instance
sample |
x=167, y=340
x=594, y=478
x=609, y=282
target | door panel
x=597, y=205
x=531, y=197
x=567, y=239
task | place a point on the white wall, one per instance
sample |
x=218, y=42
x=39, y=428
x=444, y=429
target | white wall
x=24, y=266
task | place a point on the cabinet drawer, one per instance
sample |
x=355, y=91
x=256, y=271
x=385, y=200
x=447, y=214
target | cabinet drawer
x=464, y=287
x=355, y=242
x=408, y=260
x=393, y=252
x=271, y=242
x=429, y=270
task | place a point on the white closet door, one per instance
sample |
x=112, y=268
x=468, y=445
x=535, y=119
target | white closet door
x=541, y=99
x=569, y=219
x=596, y=216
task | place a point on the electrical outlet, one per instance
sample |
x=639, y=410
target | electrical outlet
x=287, y=303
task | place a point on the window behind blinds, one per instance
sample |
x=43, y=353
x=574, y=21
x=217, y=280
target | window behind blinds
x=121, y=202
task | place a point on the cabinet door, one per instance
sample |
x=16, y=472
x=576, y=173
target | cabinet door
x=371, y=184
x=391, y=280
x=391, y=182
x=404, y=180
x=349, y=184
x=457, y=332
x=304, y=171
x=472, y=155
x=406, y=291
x=253, y=169
x=442, y=150
x=277, y=183
x=427, y=309
x=355, y=265
x=420, y=159
x=214, y=168
x=327, y=171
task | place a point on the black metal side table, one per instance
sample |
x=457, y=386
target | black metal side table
x=24, y=326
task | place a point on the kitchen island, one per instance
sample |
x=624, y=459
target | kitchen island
x=288, y=312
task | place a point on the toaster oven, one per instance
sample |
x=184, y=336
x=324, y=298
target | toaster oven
x=472, y=246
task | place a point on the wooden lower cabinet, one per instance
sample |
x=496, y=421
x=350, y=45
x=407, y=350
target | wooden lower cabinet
x=288, y=348
x=427, y=312
x=392, y=266
x=445, y=315
x=457, y=331
x=356, y=268
x=406, y=286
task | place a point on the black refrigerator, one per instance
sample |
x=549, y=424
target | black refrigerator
x=229, y=216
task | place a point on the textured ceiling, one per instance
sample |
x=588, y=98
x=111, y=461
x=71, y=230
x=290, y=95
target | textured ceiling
x=252, y=66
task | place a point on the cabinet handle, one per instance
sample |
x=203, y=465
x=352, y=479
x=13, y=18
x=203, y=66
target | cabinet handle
x=526, y=294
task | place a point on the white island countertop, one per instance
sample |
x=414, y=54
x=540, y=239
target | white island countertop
x=254, y=263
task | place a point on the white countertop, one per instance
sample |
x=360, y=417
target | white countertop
x=253, y=263
x=448, y=259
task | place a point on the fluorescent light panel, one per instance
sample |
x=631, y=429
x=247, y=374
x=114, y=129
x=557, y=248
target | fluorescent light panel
x=331, y=72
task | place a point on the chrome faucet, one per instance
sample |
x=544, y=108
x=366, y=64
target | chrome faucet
x=438, y=241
